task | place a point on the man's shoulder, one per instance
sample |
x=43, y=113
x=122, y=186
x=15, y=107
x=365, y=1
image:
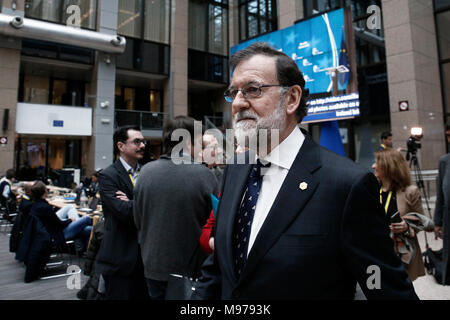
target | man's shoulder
x=342, y=170
x=111, y=170
x=445, y=158
x=340, y=163
x=40, y=205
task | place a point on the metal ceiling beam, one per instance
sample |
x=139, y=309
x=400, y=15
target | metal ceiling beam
x=16, y=26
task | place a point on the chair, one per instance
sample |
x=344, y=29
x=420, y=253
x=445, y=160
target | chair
x=43, y=256
x=8, y=214
x=60, y=260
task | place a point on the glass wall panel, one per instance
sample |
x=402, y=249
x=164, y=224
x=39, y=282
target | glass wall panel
x=155, y=101
x=56, y=152
x=208, y=26
x=443, y=27
x=256, y=17
x=252, y=26
x=157, y=20
x=242, y=23
x=44, y=10
x=88, y=12
x=60, y=11
x=59, y=89
x=129, y=20
x=145, y=19
x=197, y=24
x=218, y=30
x=46, y=90
x=36, y=89
x=32, y=159
x=441, y=4
x=129, y=98
x=138, y=99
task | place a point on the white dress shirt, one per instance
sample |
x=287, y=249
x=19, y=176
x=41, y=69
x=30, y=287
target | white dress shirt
x=7, y=188
x=281, y=159
x=134, y=173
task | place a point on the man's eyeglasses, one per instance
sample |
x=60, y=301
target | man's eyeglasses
x=249, y=91
x=138, y=142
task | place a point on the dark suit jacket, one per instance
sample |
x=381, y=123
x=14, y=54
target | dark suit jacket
x=442, y=211
x=19, y=223
x=46, y=214
x=35, y=248
x=315, y=243
x=119, y=249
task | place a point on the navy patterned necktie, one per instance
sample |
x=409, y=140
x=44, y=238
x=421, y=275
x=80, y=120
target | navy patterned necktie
x=244, y=218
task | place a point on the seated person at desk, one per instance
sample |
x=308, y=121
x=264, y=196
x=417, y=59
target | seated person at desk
x=94, y=187
x=68, y=212
x=7, y=196
x=60, y=230
x=26, y=201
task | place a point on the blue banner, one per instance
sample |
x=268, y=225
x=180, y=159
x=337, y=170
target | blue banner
x=330, y=137
x=316, y=44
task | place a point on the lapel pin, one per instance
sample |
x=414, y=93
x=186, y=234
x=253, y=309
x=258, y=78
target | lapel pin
x=303, y=186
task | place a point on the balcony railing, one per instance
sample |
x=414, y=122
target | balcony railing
x=145, y=119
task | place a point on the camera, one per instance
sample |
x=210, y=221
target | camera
x=413, y=141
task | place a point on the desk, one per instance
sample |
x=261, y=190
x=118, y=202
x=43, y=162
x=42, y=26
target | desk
x=95, y=215
x=60, y=203
x=58, y=189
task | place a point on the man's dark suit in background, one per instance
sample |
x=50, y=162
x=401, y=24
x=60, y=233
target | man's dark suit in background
x=119, y=261
x=119, y=256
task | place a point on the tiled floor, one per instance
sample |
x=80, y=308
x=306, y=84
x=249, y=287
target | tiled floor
x=13, y=287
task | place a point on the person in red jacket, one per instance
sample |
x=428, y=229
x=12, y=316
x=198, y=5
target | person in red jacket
x=206, y=241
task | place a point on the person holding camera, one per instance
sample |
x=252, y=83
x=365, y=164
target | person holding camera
x=400, y=198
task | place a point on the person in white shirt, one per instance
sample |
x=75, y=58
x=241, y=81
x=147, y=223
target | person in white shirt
x=6, y=193
x=295, y=221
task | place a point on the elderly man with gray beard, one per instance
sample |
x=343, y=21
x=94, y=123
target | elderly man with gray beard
x=295, y=221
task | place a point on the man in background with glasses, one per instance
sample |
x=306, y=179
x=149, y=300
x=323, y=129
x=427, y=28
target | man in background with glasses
x=119, y=260
x=298, y=221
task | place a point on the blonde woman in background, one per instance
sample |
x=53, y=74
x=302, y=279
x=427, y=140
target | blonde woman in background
x=398, y=194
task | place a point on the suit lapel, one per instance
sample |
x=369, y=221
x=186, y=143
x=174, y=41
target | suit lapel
x=123, y=174
x=288, y=203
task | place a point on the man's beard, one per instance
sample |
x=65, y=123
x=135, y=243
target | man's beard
x=248, y=131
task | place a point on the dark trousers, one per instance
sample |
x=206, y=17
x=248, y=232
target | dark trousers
x=156, y=289
x=131, y=287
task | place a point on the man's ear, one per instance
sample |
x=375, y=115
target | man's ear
x=293, y=98
x=120, y=146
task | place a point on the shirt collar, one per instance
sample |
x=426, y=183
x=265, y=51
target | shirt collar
x=128, y=167
x=285, y=153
